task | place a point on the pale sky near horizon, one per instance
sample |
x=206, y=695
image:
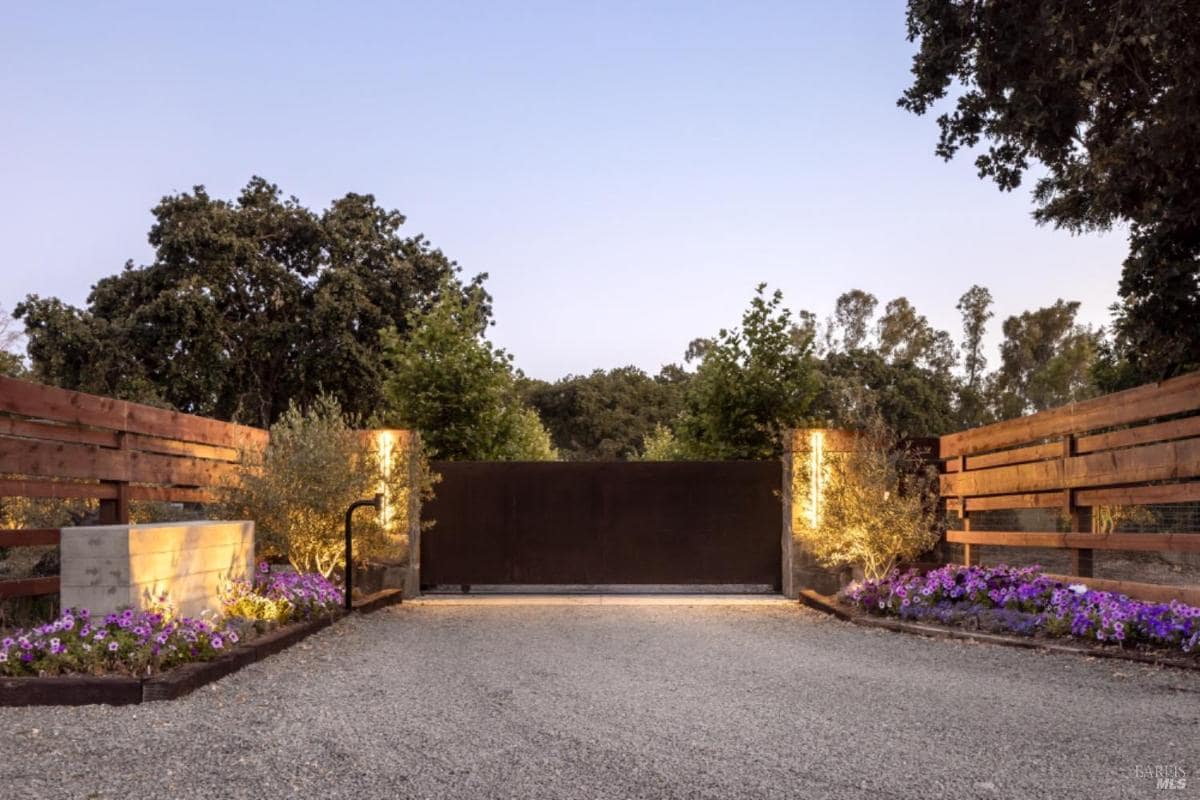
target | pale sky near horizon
x=626, y=172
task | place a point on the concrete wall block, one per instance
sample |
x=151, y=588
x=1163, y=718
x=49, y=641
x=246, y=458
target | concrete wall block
x=76, y=571
x=109, y=567
x=173, y=537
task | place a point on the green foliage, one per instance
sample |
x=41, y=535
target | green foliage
x=661, y=445
x=1046, y=361
x=1104, y=95
x=904, y=371
x=528, y=439
x=608, y=414
x=913, y=400
x=753, y=383
x=906, y=337
x=446, y=380
x=297, y=489
x=975, y=306
x=12, y=365
x=878, y=506
x=248, y=306
x=852, y=316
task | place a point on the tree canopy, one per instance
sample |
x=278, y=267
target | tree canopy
x=1045, y=361
x=248, y=306
x=753, y=383
x=1102, y=94
x=446, y=380
x=11, y=363
x=606, y=415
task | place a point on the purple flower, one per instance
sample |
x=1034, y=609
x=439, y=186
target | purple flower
x=113, y=647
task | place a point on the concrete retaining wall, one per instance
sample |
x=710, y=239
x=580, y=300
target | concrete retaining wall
x=109, y=567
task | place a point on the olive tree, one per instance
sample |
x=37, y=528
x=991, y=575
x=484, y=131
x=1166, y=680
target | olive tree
x=297, y=488
x=877, y=506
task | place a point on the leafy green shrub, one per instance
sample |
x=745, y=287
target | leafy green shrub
x=661, y=445
x=449, y=382
x=753, y=383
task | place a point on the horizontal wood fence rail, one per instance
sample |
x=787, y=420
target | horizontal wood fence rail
x=29, y=537
x=1153, y=592
x=1152, y=542
x=1136, y=447
x=56, y=443
x=66, y=445
x=29, y=587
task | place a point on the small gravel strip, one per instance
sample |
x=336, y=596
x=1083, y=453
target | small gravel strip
x=625, y=701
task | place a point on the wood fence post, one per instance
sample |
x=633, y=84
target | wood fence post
x=115, y=511
x=1080, y=517
x=968, y=553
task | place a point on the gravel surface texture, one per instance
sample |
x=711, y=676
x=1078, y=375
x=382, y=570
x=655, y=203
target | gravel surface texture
x=625, y=701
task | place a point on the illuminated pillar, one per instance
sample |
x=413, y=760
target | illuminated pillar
x=806, y=473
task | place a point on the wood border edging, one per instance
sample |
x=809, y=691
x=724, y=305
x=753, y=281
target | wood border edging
x=829, y=605
x=120, y=690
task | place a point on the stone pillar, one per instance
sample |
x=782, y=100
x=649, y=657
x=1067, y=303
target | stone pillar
x=397, y=567
x=804, y=450
x=416, y=475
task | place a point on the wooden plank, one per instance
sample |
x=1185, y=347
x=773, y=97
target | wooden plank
x=63, y=460
x=56, y=489
x=30, y=537
x=70, y=690
x=27, y=399
x=11, y=426
x=1156, y=542
x=1151, y=462
x=1187, y=492
x=154, y=444
x=1159, y=432
x=1175, y=396
x=1006, y=501
x=172, y=494
x=1020, y=455
x=1152, y=592
x=29, y=587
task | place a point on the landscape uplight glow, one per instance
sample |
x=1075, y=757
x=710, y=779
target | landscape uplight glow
x=816, y=450
x=385, y=442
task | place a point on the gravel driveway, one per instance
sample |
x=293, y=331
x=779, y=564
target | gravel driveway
x=621, y=701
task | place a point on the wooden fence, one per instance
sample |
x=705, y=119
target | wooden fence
x=1136, y=447
x=61, y=444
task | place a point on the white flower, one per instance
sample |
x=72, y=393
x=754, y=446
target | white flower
x=1078, y=588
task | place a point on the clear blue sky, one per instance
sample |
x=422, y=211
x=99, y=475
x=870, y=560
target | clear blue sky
x=626, y=172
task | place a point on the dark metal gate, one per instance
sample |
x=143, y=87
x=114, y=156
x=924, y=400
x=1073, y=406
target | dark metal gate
x=604, y=523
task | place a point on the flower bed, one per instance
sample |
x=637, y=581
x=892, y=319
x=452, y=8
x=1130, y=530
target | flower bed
x=1023, y=601
x=138, y=643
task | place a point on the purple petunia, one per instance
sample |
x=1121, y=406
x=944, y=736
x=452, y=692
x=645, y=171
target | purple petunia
x=1025, y=601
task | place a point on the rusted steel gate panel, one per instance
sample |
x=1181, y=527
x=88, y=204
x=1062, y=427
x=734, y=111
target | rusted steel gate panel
x=604, y=523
